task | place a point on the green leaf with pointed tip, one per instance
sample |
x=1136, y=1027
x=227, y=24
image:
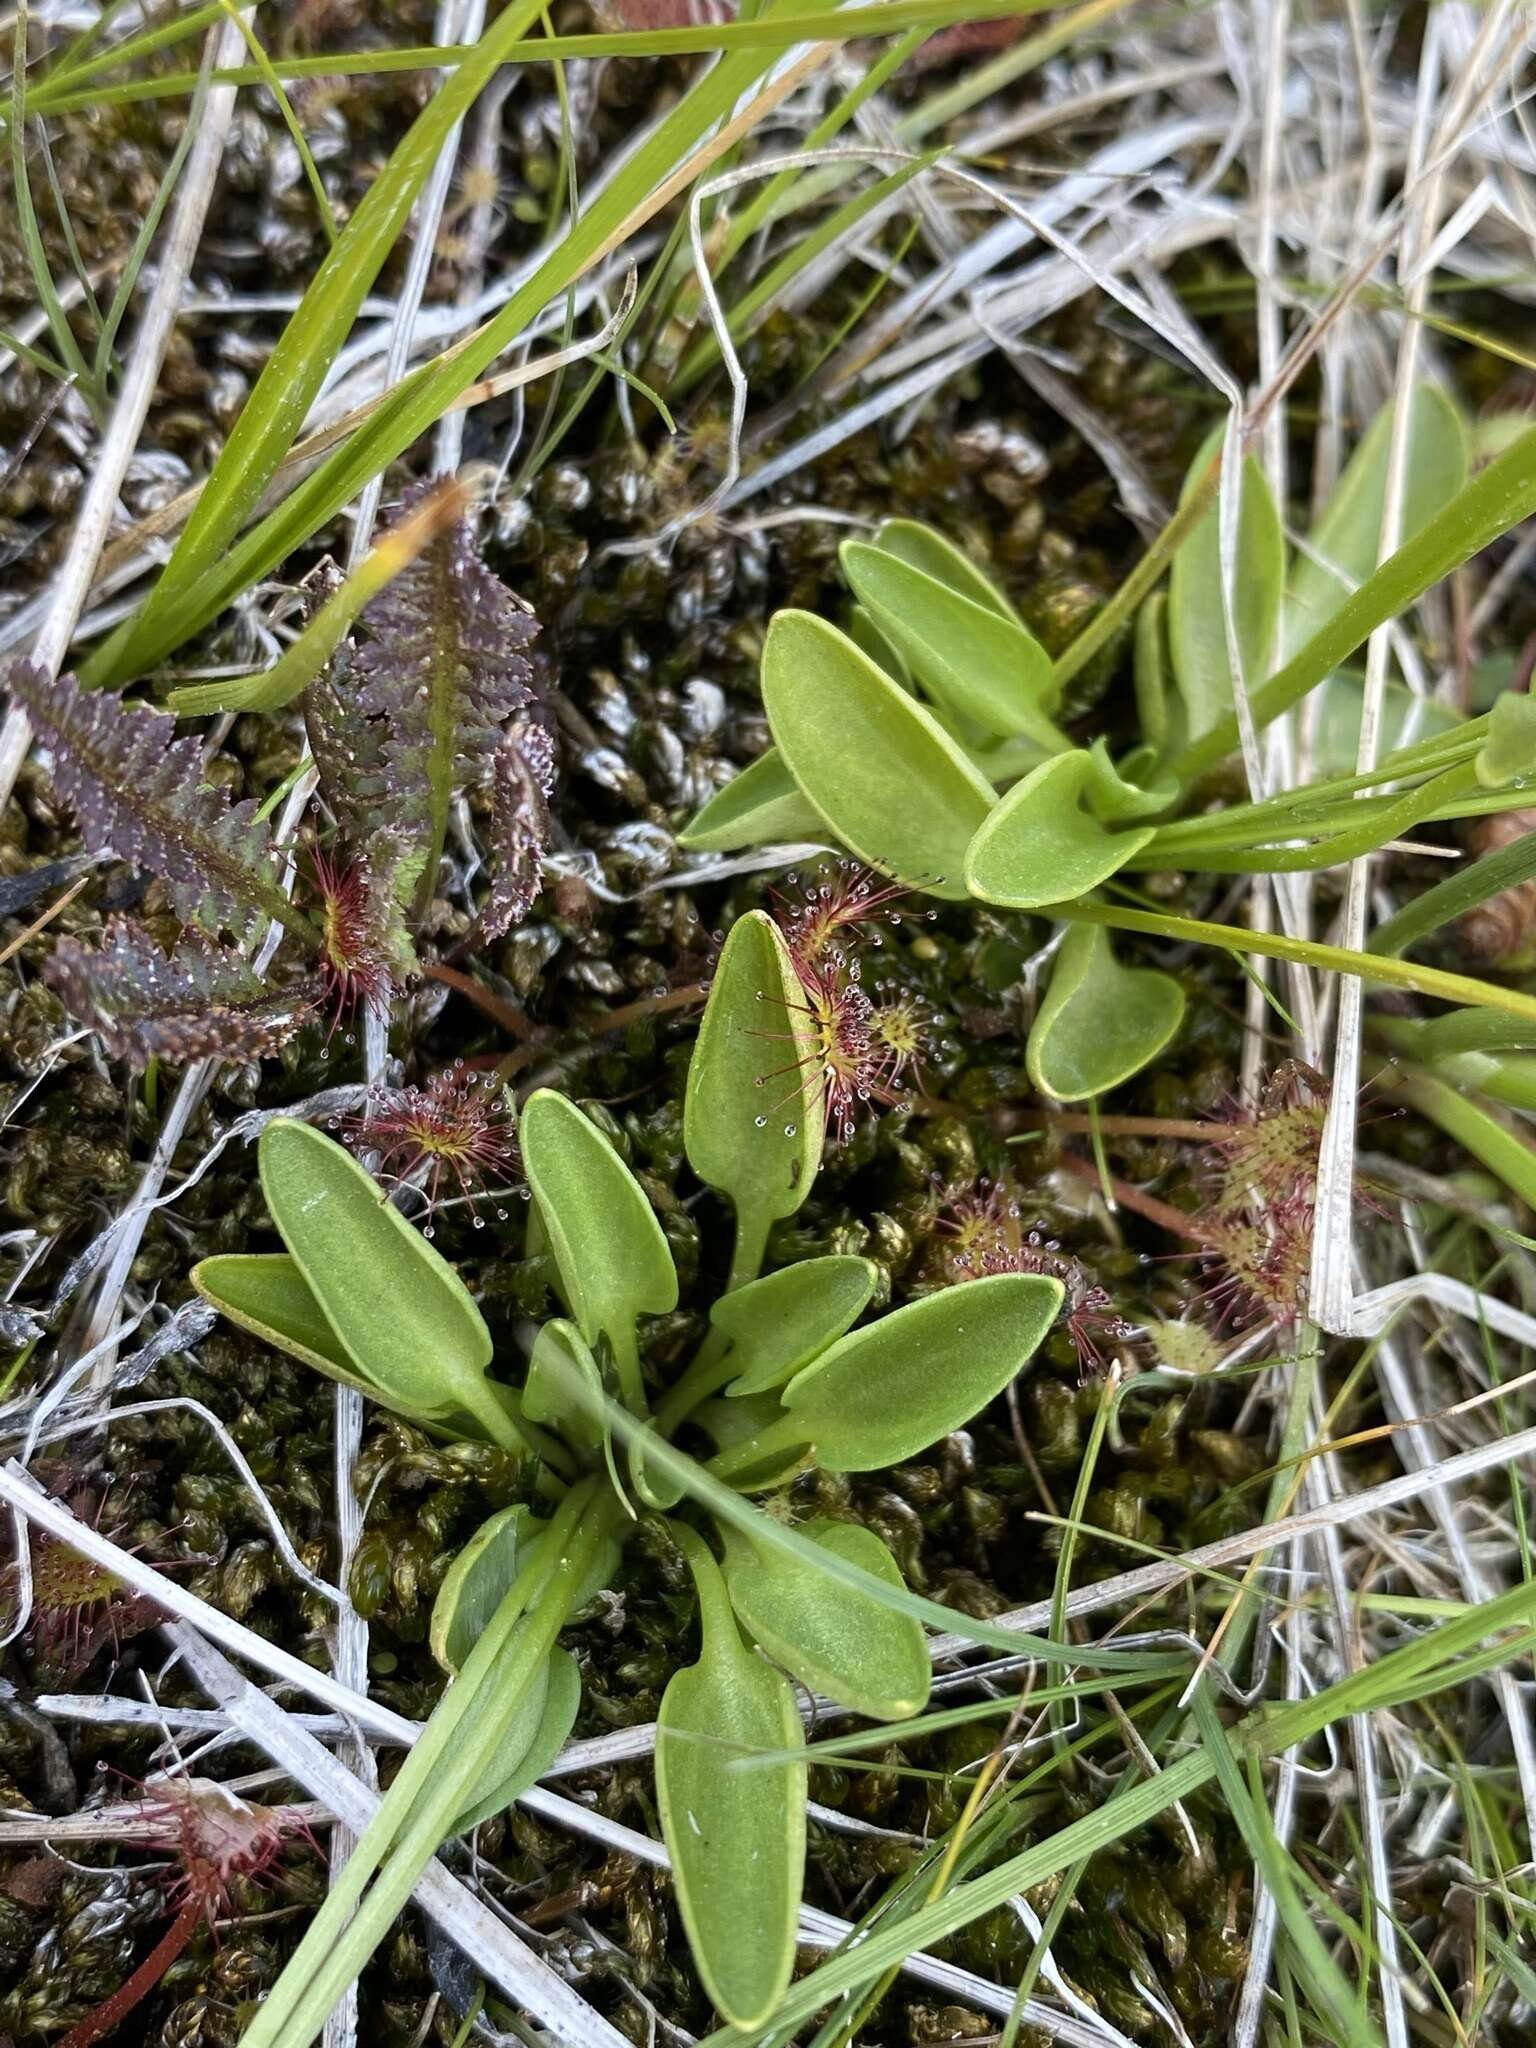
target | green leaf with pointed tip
x=778, y=1324
x=826, y=1633
x=1100, y=1023
x=753, y=1122
x=1509, y=752
x=546, y=1396
x=925, y=548
x=976, y=663
x=762, y=806
x=540, y=1730
x=1041, y=845
x=608, y=1248
x=1115, y=797
x=736, y=1838
x=886, y=1392
x=265, y=1293
x=1346, y=540
x=1197, y=634
x=475, y=1583
x=398, y=1309
x=880, y=769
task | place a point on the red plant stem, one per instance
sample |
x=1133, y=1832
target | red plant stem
x=114, y=2010
x=1162, y=1213
x=515, y=1022
x=1113, y=1126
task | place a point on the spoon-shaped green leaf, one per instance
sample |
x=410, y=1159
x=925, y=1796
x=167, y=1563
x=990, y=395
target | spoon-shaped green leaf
x=1197, y=634
x=780, y=1323
x=752, y=1114
x=888, y=780
x=978, y=664
x=1041, y=845
x=760, y=807
x=736, y=1838
x=398, y=1309
x=1099, y=1022
x=531, y=1743
x=267, y=1294
x=608, y=1248
x=884, y=1393
x=826, y=1633
x=925, y=548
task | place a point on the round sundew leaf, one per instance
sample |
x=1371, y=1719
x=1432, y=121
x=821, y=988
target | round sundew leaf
x=977, y=663
x=925, y=548
x=608, y=1248
x=736, y=1838
x=1099, y=1022
x=398, y=1309
x=830, y=1636
x=887, y=779
x=1040, y=845
x=526, y=1753
x=780, y=1323
x=753, y=1121
x=475, y=1583
x=1197, y=634
x=762, y=806
x=887, y=1391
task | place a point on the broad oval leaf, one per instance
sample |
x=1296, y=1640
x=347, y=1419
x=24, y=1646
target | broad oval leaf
x=1099, y=1022
x=736, y=1838
x=1508, y=755
x=886, y=1392
x=1346, y=540
x=475, y=1584
x=398, y=1309
x=1197, y=634
x=608, y=1248
x=778, y=1324
x=1041, y=845
x=830, y=1636
x=978, y=664
x=882, y=772
x=760, y=807
x=925, y=548
x=753, y=1122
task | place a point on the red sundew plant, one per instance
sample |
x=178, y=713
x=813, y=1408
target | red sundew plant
x=865, y=1047
x=984, y=1234
x=458, y=1127
x=353, y=966
x=78, y=1607
x=1271, y=1150
x=216, y=1839
x=830, y=916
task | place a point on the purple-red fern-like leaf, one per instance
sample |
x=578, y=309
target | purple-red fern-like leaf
x=140, y=792
x=444, y=670
x=199, y=1000
x=523, y=776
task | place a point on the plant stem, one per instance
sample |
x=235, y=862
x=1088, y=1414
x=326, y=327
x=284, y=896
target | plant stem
x=1142, y=579
x=1425, y=981
x=111, y=2013
x=752, y=1227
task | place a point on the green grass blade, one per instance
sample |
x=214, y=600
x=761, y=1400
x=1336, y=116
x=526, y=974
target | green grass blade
x=206, y=571
x=1496, y=499
x=1456, y=895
